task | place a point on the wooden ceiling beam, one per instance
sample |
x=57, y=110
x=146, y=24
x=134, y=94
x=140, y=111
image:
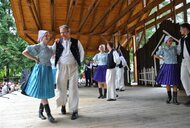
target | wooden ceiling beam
x=147, y=8
x=90, y=36
x=123, y=13
x=91, y=9
x=22, y=15
x=109, y=9
x=179, y=10
x=120, y=9
x=72, y=4
x=34, y=13
x=52, y=7
x=152, y=16
x=81, y=14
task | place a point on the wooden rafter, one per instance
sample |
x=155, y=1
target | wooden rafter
x=30, y=38
x=109, y=9
x=90, y=36
x=81, y=14
x=52, y=4
x=152, y=16
x=91, y=9
x=120, y=9
x=34, y=15
x=133, y=18
x=72, y=4
x=22, y=15
x=179, y=10
x=123, y=13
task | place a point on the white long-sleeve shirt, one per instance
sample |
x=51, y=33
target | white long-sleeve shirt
x=123, y=61
x=116, y=57
x=67, y=56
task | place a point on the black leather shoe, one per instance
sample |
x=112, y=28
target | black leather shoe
x=187, y=103
x=111, y=100
x=63, y=110
x=74, y=115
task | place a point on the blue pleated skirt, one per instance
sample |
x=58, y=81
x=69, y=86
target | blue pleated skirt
x=54, y=71
x=169, y=74
x=100, y=74
x=41, y=83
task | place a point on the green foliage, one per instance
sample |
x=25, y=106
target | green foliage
x=11, y=46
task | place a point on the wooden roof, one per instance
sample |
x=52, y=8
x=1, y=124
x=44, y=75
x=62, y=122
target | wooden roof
x=91, y=21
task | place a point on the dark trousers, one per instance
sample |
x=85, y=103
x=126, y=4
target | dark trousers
x=88, y=78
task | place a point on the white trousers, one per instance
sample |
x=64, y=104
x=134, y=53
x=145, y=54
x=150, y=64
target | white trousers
x=120, y=78
x=110, y=81
x=68, y=73
x=185, y=75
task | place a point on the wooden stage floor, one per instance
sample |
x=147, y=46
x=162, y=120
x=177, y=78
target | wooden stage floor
x=137, y=107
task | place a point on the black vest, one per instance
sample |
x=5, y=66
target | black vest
x=74, y=50
x=110, y=61
x=187, y=42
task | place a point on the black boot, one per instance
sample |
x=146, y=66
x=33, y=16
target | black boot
x=105, y=92
x=100, y=91
x=74, y=115
x=50, y=117
x=175, y=98
x=188, y=102
x=169, y=97
x=41, y=109
x=63, y=110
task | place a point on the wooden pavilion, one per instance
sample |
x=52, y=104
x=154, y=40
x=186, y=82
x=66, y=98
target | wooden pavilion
x=95, y=21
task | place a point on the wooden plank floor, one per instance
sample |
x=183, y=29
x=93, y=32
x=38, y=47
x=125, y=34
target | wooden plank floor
x=138, y=107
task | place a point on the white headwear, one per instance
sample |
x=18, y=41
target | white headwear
x=41, y=34
x=166, y=39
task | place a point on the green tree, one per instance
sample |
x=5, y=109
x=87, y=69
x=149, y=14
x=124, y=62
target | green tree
x=11, y=46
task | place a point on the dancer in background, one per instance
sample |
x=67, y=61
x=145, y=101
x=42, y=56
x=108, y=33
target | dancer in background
x=120, y=85
x=88, y=73
x=169, y=74
x=112, y=61
x=184, y=47
x=41, y=84
x=100, y=75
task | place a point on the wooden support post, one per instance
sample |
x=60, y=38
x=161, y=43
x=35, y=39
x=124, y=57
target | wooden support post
x=185, y=11
x=174, y=12
x=144, y=33
x=134, y=59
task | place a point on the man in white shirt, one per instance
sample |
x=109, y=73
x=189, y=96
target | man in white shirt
x=120, y=85
x=69, y=55
x=112, y=61
x=184, y=46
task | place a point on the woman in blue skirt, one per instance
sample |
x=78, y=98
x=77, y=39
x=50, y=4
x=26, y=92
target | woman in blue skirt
x=100, y=75
x=169, y=74
x=41, y=83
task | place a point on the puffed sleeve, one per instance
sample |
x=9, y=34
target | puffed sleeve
x=179, y=48
x=33, y=50
x=95, y=58
x=160, y=52
x=116, y=57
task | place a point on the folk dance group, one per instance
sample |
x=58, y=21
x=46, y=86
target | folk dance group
x=69, y=54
